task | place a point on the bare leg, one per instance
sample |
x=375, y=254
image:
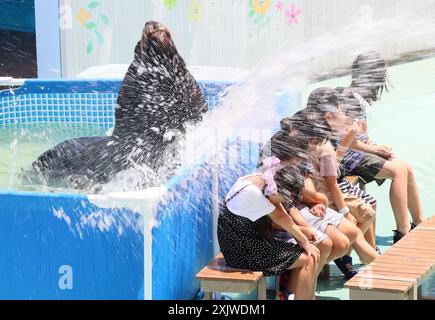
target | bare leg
x=414, y=202
x=302, y=280
x=349, y=229
x=340, y=243
x=361, y=226
x=370, y=235
x=325, y=248
x=364, y=250
x=398, y=192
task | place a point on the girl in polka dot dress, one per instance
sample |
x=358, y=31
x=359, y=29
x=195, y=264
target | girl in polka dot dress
x=245, y=227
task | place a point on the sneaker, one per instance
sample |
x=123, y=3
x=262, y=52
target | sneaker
x=397, y=235
x=346, y=266
x=286, y=295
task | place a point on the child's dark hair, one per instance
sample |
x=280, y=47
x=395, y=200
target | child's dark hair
x=290, y=183
x=300, y=121
x=353, y=108
x=287, y=145
x=320, y=102
x=369, y=71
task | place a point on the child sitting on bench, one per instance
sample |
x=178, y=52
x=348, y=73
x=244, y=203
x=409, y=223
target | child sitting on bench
x=245, y=226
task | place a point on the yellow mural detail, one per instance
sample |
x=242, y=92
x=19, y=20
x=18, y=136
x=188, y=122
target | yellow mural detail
x=83, y=16
x=261, y=6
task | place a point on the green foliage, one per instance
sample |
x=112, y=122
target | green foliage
x=94, y=4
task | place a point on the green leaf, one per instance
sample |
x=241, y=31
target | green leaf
x=100, y=37
x=90, y=25
x=105, y=19
x=94, y=4
x=90, y=47
x=251, y=13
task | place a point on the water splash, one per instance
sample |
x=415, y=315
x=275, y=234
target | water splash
x=250, y=110
x=14, y=153
x=252, y=105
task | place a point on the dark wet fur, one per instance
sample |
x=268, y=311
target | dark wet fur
x=158, y=95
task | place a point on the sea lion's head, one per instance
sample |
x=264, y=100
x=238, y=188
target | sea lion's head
x=158, y=36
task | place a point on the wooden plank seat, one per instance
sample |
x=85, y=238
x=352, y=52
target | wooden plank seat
x=217, y=277
x=399, y=272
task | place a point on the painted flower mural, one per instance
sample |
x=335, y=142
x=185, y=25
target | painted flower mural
x=92, y=18
x=261, y=6
x=196, y=11
x=279, y=5
x=258, y=11
x=292, y=15
x=83, y=16
x=170, y=4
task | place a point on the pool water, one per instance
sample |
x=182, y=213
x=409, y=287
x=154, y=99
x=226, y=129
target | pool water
x=19, y=147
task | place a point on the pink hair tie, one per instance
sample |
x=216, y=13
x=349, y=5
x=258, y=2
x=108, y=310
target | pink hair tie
x=268, y=176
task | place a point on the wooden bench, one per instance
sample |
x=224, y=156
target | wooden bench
x=399, y=272
x=217, y=277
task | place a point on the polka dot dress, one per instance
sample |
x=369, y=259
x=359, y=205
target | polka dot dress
x=244, y=248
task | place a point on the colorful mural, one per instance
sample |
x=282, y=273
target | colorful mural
x=196, y=11
x=261, y=13
x=292, y=15
x=258, y=11
x=170, y=4
x=93, y=19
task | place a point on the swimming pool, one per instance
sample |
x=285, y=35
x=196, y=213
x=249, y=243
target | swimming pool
x=44, y=238
x=147, y=244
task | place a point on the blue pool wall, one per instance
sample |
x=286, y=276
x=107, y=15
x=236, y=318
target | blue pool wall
x=106, y=264
x=35, y=245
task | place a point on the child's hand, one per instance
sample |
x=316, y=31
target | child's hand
x=362, y=124
x=356, y=127
x=310, y=233
x=318, y=210
x=384, y=152
x=312, y=251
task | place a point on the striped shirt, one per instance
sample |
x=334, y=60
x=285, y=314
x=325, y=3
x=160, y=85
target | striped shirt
x=353, y=158
x=348, y=188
